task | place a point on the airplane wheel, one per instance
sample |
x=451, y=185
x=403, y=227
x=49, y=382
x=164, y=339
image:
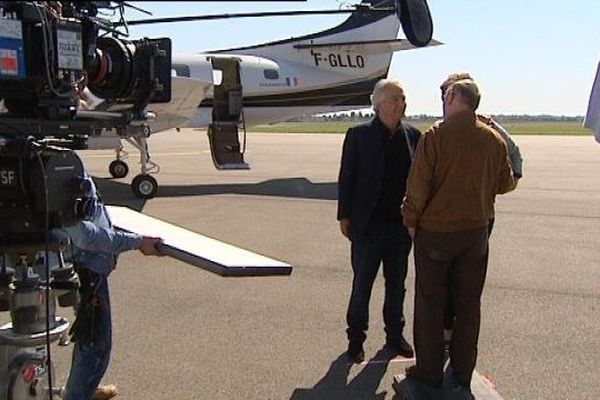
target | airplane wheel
x=118, y=169
x=144, y=186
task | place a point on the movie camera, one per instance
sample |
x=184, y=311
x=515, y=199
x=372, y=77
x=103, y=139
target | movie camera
x=54, y=58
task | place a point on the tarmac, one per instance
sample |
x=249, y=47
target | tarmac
x=183, y=333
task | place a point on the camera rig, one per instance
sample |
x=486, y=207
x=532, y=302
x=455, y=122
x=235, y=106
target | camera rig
x=52, y=53
x=53, y=57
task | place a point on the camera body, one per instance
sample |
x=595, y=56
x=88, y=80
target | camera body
x=50, y=51
x=51, y=55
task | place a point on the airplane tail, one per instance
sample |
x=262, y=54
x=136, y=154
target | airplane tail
x=361, y=46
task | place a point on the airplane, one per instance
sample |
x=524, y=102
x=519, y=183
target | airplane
x=592, y=117
x=227, y=90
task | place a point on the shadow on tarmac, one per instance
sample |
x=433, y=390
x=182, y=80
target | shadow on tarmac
x=118, y=193
x=115, y=192
x=335, y=386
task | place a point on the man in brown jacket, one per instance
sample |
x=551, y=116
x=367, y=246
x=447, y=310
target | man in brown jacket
x=459, y=167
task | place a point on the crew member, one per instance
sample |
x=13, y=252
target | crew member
x=95, y=247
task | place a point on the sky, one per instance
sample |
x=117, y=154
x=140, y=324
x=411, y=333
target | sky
x=527, y=56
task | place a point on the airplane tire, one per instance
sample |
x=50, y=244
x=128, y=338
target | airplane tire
x=144, y=186
x=118, y=169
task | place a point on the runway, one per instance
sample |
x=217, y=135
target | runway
x=183, y=333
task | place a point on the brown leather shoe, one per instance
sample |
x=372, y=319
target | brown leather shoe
x=401, y=346
x=105, y=392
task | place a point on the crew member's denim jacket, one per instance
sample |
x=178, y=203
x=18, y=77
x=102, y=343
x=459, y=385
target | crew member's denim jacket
x=96, y=244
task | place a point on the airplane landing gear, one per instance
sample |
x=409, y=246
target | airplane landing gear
x=144, y=186
x=118, y=169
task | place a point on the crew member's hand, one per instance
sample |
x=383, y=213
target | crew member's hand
x=148, y=247
x=345, y=227
x=411, y=232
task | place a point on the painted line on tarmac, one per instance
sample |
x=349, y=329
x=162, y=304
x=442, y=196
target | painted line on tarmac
x=195, y=153
x=384, y=361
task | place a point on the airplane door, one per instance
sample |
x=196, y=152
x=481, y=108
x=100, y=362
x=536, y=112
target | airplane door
x=227, y=116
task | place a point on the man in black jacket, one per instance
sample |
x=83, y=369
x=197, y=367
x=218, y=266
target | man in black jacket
x=375, y=161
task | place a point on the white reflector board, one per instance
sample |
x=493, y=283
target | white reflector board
x=195, y=249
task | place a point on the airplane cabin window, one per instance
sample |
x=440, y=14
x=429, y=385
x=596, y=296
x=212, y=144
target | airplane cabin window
x=271, y=74
x=181, y=70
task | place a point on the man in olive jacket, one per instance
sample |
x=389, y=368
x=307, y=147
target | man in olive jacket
x=372, y=181
x=459, y=167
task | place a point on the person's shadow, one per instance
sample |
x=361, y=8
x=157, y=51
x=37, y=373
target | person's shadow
x=335, y=386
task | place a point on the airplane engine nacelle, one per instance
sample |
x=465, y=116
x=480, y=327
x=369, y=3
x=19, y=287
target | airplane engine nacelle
x=416, y=21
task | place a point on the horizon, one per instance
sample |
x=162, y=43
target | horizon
x=367, y=111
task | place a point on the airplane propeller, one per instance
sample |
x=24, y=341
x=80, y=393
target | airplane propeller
x=415, y=18
x=414, y=15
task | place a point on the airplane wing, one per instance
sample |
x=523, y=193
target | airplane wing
x=592, y=118
x=366, y=47
x=186, y=94
x=209, y=254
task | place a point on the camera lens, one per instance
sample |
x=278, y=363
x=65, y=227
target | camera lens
x=112, y=72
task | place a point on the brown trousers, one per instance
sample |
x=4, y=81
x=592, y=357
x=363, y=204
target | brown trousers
x=465, y=253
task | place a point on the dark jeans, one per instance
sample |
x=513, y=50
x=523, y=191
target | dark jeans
x=383, y=243
x=90, y=360
x=464, y=252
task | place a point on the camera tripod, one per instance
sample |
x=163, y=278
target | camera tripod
x=26, y=368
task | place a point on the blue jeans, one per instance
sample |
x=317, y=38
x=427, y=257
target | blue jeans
x=387, y=243
x=90, y=360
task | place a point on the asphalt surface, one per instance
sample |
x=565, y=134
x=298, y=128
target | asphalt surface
x=183, y=333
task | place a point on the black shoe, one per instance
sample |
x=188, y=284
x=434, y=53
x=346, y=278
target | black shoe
x=356, y=354
x=415, y=373
x=455, y=389
x=459, y=392
x=401, y=347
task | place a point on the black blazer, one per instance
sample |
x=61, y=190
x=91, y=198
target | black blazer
x=362, y=170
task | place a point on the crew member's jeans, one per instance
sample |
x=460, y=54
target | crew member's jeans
x=388, y=243
x=91, y=360
x=465, y=252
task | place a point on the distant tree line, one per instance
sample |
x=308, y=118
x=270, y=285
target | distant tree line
x=358, y=116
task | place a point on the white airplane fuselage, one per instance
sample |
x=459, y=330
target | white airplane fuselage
x=302, y=76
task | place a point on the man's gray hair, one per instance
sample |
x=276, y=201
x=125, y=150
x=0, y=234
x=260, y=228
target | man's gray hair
x=379, y=91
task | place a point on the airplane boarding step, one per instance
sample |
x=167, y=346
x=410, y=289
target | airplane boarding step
x=226, y=150
x=210, y=254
